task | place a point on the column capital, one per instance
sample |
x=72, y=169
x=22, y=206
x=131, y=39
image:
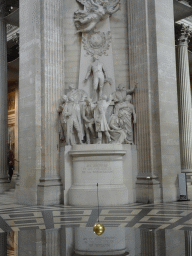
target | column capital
x=182, y=34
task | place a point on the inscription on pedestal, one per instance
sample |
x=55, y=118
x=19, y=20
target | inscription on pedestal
x=105, y=242
x=99, y=168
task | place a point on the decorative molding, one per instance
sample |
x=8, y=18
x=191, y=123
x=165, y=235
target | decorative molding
x=96, y=43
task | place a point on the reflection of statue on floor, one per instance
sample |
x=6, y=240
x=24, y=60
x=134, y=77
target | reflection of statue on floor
x=94, y=11
x=88, y=117
x=99, y=75
x=101, y=125
x=125, y=110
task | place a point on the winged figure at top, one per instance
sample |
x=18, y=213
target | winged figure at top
x=94, y=11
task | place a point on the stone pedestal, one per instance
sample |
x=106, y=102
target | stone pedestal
x=3, y=101
x=102, y=164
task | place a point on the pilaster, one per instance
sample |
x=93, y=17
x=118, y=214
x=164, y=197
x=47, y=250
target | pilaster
x=41, y=79
x=3, y=100
x=152, y=67
x=49, y=188
x=51, y=242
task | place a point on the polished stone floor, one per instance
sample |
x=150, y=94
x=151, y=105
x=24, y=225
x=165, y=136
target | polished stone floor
x=144, y=229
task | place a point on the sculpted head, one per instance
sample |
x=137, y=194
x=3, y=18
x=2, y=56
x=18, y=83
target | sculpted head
x=64, y=98
x=128, y=98
x=72, y=86
x=71, y=98
x=88, y=100
x=95, y=57
x=104, y=97
x=121, y=87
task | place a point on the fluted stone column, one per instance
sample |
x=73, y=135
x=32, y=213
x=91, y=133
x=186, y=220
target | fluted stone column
x=49, y=189
x=152, y=65
x=152, y=242
x=41, y=80
x=3, y=100
x=188, y=243
x=3, y=244
x=51, y=242
x=184, y=97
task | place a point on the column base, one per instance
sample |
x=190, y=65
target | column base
x=4, y=185
x=49, y=191
x=14, y=180
x=148, y=190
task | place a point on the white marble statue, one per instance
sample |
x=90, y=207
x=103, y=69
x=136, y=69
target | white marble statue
x=88, y=117
x=101, y=125
x=94, y=11
x=62, y=117
x=121, y=92
x=78, y=96
x=118, y=135
x=125, y=111
x=72, y=120
x=99, y=75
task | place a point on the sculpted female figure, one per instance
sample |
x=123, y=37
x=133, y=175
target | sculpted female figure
x=94, y=11
x=125, y=112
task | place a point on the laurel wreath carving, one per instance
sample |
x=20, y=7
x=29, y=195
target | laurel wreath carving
x=96, y=43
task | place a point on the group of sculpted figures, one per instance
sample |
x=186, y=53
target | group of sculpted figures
x=86, y=120
x=83, y=120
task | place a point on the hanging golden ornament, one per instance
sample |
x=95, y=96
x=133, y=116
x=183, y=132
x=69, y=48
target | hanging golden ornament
x=98, y=229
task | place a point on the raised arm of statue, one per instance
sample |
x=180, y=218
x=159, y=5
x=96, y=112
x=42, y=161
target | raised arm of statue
x=114, y=7
x=114, y=10
x=130, y=91
x=88, y=73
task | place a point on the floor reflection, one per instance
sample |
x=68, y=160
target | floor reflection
x=76, y=241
